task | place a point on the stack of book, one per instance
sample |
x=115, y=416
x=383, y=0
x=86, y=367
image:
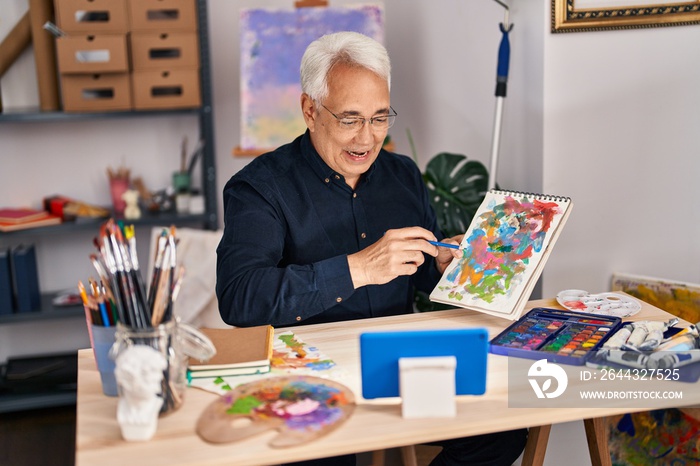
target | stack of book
x=12, y=219
x=19, y=280
x=239, y=351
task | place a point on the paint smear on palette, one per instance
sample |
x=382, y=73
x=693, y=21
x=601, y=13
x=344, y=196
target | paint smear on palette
x=290, y=356
x=664, y=436
x=497, y=253
x=301, y=408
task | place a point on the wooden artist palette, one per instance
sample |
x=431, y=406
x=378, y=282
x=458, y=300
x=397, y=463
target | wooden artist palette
x=301, y=408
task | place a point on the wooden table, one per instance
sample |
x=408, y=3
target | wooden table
x=375, y=425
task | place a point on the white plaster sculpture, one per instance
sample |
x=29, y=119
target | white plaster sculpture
x=131, y=198
x=139, y=373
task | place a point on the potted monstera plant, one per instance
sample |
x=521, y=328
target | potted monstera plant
x=457, y=187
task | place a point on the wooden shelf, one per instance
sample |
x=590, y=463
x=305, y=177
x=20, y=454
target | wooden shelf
x=41, y=390
x=49, y=399
x=153, y=219
x=47, y=311
x=34, y=115
x=208, y=220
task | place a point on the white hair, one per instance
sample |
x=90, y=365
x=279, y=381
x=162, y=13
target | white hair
x=347, y=47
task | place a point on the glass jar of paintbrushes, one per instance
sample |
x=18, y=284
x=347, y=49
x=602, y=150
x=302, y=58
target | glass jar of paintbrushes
x=143, y=315
x=176, y=342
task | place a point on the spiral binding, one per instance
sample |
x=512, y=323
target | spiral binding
x=541, y=197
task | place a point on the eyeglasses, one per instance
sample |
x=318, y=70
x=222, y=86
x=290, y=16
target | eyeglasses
x=356, y=123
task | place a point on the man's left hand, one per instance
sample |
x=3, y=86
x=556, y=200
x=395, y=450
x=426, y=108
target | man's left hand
x=445, y=255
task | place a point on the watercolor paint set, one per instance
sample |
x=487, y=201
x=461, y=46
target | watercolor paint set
x=565, y=337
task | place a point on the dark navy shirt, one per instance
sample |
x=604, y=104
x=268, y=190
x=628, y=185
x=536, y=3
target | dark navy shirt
x=290, y=222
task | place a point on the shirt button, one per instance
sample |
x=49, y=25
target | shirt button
x=354, y=195
x=327, y=180
x=363, y=236
x=298, y=318
x=338, y=299
x=337, y=177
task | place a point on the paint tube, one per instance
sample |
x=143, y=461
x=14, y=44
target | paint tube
x=691, y=330
x=628, y=358
x=652, y=340
x=684, y=342
x=641, y=331
x=666, y=360
x=619, y=338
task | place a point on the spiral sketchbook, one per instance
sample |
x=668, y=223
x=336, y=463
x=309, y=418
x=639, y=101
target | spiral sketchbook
x=504, y=251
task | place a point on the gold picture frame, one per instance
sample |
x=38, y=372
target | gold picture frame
x=573, y=16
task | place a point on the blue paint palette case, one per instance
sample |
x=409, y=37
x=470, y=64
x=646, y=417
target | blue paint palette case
x=565, y=337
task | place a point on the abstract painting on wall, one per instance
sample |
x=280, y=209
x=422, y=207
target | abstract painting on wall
x=272, y=44
x=678, y=298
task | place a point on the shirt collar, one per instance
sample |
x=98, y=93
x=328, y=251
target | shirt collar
x=319, y=166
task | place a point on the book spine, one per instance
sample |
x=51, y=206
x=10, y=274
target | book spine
x=25, y=279
x=6, y=306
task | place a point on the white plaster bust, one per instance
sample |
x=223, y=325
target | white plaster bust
x=139, y=373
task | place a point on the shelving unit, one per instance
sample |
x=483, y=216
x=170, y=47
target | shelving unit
x=208, y=220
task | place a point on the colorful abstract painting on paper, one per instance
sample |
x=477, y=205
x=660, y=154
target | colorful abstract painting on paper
x=501, y=251
x=677, y=298
x=272, y=44
x=650, y=438
x=290, y=356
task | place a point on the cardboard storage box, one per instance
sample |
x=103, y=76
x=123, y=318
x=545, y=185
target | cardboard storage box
x=177, y=88
x=96, y=92
x=159, y=15
x=166, y=50
x=92, y=16
x=92, y=54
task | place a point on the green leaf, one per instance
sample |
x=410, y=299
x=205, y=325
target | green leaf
x=457, y=187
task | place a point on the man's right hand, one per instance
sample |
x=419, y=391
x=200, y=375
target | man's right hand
x=398, y=252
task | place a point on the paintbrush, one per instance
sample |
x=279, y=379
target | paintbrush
x=100, y=300
x=104, y=276
x=162, y=293
x=183, y=155
x=110, y=264
x=171, y=274
x=196, y=153
x=138, y=306
x=90, y=304
x=106, y=288
x=157, y=263
x=123, y=280
x=135, y=271
x=178, y=284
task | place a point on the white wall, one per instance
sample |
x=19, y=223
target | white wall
x=621, y=112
